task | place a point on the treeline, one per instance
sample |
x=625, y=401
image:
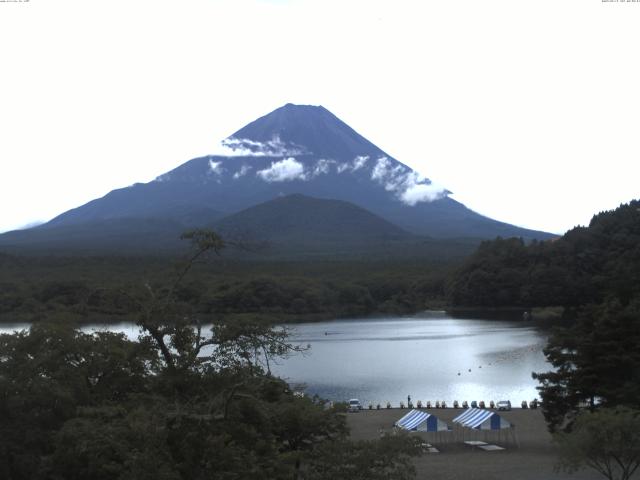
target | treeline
x=99, y=289
x=586, y=265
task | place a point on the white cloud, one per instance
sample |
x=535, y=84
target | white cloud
x=322, y=167
x=421, y=192
x=244, y=147
x=283, y=171
x=359, y=162
x=409, y=186
x=242, y=172
x=381, y=169
x=224, y=150
x=215, y=168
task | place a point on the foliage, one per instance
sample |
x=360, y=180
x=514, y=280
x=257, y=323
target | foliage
x=586, y=265
x=596, y=362
x=182, y=402
x=50, y=372
x=607, y=441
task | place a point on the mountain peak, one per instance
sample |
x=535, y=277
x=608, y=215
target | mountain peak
x=310, y=107
x=306, y=129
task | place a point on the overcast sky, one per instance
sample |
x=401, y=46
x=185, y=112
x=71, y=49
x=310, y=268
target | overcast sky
x=529, y=111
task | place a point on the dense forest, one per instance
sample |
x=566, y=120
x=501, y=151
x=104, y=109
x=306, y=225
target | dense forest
x=95, y=289
x=587, y=265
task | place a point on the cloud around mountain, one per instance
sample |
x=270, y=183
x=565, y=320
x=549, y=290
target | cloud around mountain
x=407, y=185
x=303, y=143
x=283, y=170
x=245, y=147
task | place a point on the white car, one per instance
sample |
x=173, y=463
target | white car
x=354, y=405
x=504, y=405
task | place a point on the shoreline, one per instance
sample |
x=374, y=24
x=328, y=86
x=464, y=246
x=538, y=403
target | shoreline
x=508, y=314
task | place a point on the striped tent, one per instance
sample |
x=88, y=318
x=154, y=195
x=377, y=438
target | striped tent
x=479, y=419
x=422, y=422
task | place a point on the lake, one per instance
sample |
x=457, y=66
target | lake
x=429, y=356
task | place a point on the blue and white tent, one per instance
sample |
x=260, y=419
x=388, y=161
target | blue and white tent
x=419, y=421
x=491, y=424
x=479, y=419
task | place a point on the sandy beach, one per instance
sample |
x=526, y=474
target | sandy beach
x=533, y=458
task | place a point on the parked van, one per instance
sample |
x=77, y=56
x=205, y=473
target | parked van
x=354, y=405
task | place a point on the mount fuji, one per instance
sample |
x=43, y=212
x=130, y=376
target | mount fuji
x=300, y=151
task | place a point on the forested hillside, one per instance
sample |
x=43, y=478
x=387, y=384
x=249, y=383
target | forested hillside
x=586, y=265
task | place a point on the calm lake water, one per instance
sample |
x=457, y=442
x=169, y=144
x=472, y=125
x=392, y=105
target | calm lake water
x=430, y=356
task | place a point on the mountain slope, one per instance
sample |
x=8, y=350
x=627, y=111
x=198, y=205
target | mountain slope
x=116, y=235
x=301, y=220
x=312, y=130
x=297, y=226
x=296, y=149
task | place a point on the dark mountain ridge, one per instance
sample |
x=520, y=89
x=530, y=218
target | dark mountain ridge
x=301, y=220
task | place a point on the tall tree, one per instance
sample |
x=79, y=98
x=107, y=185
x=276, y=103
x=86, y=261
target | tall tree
x=596, y=363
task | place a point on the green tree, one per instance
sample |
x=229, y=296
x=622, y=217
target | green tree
x=596, y=363
x=109, y=442
x=607, y=441
x=51, y=371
